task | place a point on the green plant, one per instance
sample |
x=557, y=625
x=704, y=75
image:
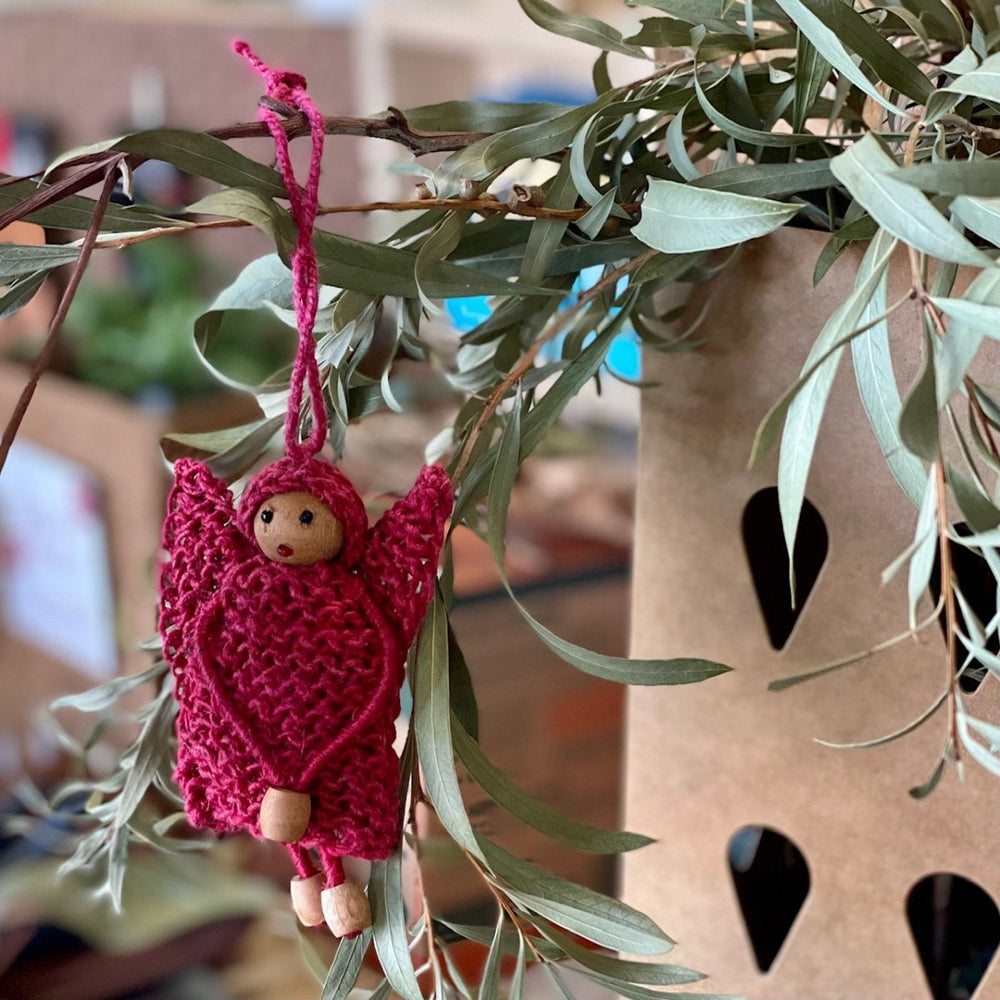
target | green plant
x=133, y=334
x=877, y=124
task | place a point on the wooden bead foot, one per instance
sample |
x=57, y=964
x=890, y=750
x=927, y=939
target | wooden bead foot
x=346, y=910
x=306, y=901
x=284, y=815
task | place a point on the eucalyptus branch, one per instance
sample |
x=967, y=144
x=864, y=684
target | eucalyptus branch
x=392, y=126
x=506, y=908
x=527, y=360
x=48, y=347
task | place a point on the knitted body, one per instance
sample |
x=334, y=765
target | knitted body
x=289, y=676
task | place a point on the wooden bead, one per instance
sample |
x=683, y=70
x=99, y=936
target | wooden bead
x=284, y=815
x=306, y=901
x=346, y=909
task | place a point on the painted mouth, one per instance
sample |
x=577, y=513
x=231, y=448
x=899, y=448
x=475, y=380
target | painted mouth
x=285, y=551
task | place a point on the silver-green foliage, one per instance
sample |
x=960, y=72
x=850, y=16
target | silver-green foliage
x=877, y=124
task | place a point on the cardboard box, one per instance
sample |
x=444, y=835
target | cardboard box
x=707, y=760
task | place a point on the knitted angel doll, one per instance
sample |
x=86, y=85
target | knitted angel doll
x=286, y=622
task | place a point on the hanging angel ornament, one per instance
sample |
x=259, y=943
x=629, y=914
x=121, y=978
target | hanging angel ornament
x=286, y=622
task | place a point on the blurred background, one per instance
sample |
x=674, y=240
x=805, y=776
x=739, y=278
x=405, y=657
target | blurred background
x=78, y=597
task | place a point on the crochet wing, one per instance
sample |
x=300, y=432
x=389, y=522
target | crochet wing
x=200, y=539
x=401, y=556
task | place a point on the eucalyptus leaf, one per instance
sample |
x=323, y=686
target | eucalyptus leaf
x=592, y=915
x=463, y=697
x=20, y=292
x=516, y=989
x=152, y=746
x=634, y=992
x=436, y=247
x=745, y=133
x=16, y=260
x=982, y=82
x=502, y=481
x=579, y=27
x=804, y=409
x=343, y=972
x=925, y=544
x=811, y=74
x=536, y=814
x=872, y=177
x=695, y=12
x=979, y=512
x=982, y=756
x=675, y=140
x=922, y=791
x=392, y=944
x=845, y=661
x=769, y=180
x=76, y=211
x=481, y=116
x=595, y=217
x=679, y=218
x=489, y=985
x=581, y=369
x=828, y=24
x=879, y=392
x=432, y=724
x=973, y=317
x=981, y=215
x=978, y=178
x=618, y=969
x=918, y=421
x=105, y=695
x=204, y=156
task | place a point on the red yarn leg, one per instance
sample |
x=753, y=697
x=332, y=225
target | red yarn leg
x=333, y=865
x=301, y=859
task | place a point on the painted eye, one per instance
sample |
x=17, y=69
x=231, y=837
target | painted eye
x=267, y=516
x=306, y=517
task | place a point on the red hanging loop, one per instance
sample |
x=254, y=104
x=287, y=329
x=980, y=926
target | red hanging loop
x=290, y=89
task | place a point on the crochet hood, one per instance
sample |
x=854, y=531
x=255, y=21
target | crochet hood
x=326, y=483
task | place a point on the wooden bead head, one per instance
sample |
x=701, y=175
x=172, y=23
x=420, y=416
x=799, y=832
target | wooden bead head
x=297, y=529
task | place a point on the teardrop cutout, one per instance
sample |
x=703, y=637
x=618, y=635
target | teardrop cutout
x=767, y=555
x=956, y=929
x=771, y=877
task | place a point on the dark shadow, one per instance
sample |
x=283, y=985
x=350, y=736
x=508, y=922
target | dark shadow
x=772, y=881
x=979, y=588
x=956, y=929
x=767, y=555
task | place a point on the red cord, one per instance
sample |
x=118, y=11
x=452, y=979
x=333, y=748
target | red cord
x=290, y=89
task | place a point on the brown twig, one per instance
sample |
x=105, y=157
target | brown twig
x=392, y=126
x=486, y=206
x=950, y=609
x=45, y=354
x=558, y=322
